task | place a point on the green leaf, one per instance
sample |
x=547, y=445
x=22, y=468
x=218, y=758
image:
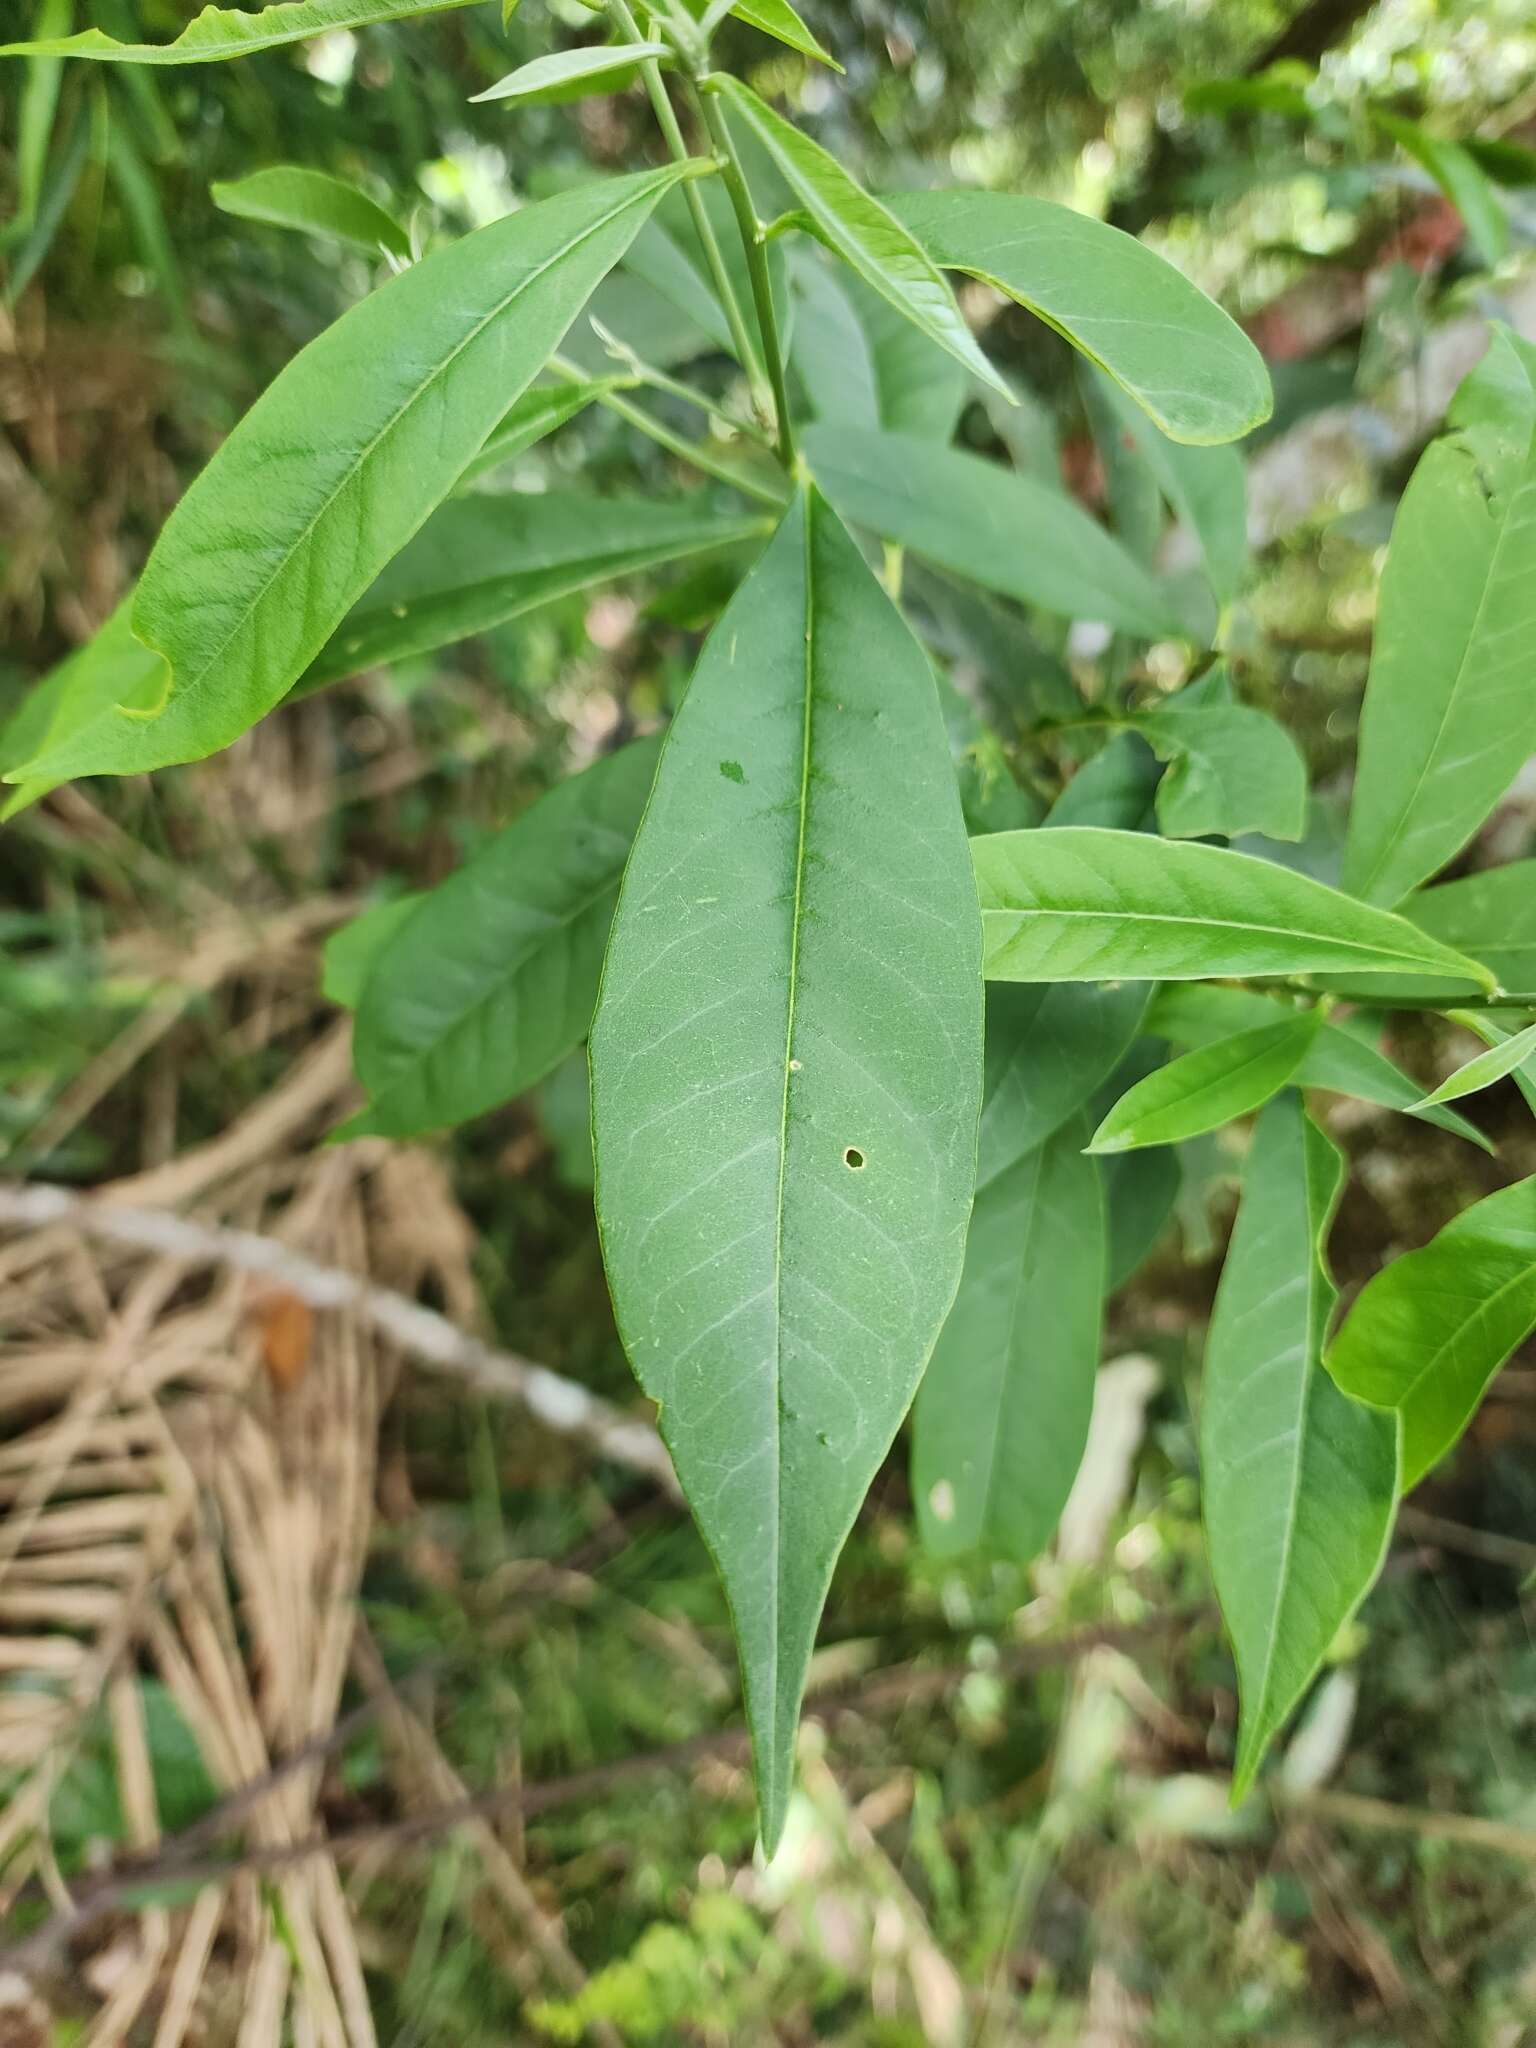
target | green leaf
x=862, y=364
x=778, y=19
x=1492, y=916
x=1298, y=1482
x=987, y=524
x=288, y=196
x=1141, y=1190
x=1461, y=178
x=340, y=461
x=1449, y=709
x=1339, y=1060
x=493, y=980
x=1178, y=355
x=1118, y=788
x=354, y=949
x=220, y=32
x=480, y=561
x=537, y=413
x=1427, y=1334
x=1232, y=770
x=786, y=1073
x=75, y=701
x=860, y=229
x=1499, y=1060
x=1048, y=1050
x=1080, y=904
x=1206, y=487
x=1207, y=1088
x=1002, y=1414
x=575, y=74
x=1497, y=1029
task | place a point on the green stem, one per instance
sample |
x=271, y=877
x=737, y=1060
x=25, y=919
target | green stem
x=704, y=227
x=692, y=452
x=712, y=114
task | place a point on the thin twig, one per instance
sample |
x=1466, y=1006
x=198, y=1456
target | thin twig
x=558, y=1403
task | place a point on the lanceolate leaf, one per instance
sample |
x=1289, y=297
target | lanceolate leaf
x=862, y=364
x=289, y=196
x=1205, y=1089
x=340, y=461
x=1450, y=707
x=990, y=525
x=1207, y=488
x=1048, y=1050
x=1485, y=1069
x=860, y=229
x=1496, y=1029
x=1002, y=1414
x=77, y=699
x=778, y=19
x=1140, y=1189
x=1078, y=904
x=1428, y=1334
x=492, y=981
x=1492, y=916
x=1177, y=354
x=220, y=32
x=1232, y=770
x=1297, y=1481
x=575, y=74
x=537, y=413
x=480, y=561
x=786, y=1069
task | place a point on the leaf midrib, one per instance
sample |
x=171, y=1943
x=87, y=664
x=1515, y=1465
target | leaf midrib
x=1272, y=931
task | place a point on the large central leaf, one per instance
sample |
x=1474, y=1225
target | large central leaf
x=786, y=1075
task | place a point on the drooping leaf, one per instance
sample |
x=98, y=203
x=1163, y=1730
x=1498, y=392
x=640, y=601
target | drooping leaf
x=862, y=364
x=1450, y=706
x=537, y=413
x=480, y=561
x=575, y=74
x=353, y=949
x=1298, y=1482
x=1081, y=904
x=1461, y=178
x=1490, y=1066
x=1491, y=915
x=1048, y=1050
x=492, y=981
x=340, y=461
x=1231, y=770
x=1205, y=1089
x=786, y=1069
x=989, y=525
x=778, y=19
x=220, y=32
x=314, y=203
x=860, y=229
x=75, y=700
x=1002, y=1414
x=1429, y=1332
x=1178, y=355
x=1340, y=1059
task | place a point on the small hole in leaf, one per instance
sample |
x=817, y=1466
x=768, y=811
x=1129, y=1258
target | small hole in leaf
x=853, y=1157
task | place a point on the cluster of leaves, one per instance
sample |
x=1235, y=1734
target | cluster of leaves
x=818, y=935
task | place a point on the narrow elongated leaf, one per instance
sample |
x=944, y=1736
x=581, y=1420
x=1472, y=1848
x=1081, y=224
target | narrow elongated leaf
x=1428, y=1333
x=786, y=1076
x=575, y=74
x=80, y=697
x=1141, y=1190
x=1002, y=1414
x=491, y=983
x=1450, y=706
x=989, y=525
x=1339, y=1058
x=1492, y=916
x=220, y=32
x=480, y=561
x=1048, y=1050
x=340, y=461
x=860, y=229
x=1208, y=1088
x=778, y=19
x=1231, y=770
x=1495, y=1029
x=1178, y=355
x=862, y=364
x=1298, y=1483
x=1488, y=1067
x=537, y=413
x=313, y=203
x=1079, y=904
x=1206, y=487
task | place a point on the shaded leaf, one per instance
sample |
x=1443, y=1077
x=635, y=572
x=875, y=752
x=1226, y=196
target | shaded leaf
x=1231, y=770
x=1048, y=1050
x=1297, y=1481
x=862, y=364
x=778, y=19
x=1492, y=916
x=1461, y=178
x=1141, y=1190
x=537, y=413
x=1206, y=487
x=288, y=196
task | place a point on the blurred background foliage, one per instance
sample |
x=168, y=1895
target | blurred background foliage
x=980, y=1852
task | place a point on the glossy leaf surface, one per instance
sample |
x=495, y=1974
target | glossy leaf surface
x=1298, y=1481
x=1209, y=1087
x=575, y=74
x=778, y=19
x=492, y=981
x=786, y=1068
x=1080, y=904
x=1486, y=1068
x=341, y=460
x=1178, y=355
x=313, y=203
x=1428, y=1333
